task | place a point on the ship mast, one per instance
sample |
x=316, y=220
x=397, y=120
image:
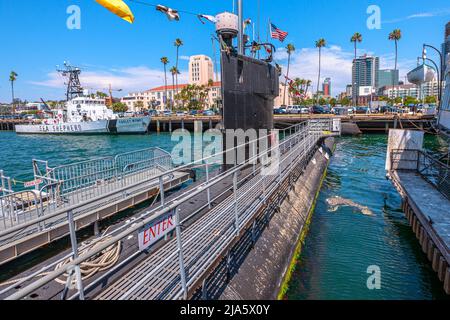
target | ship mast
x=73, y=84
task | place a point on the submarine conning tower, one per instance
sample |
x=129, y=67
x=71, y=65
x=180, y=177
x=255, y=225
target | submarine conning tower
x=249, y=85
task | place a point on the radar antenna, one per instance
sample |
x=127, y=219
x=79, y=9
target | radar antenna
x=73, y=84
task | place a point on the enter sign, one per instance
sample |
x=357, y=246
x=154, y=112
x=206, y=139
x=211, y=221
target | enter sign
x=156, y=230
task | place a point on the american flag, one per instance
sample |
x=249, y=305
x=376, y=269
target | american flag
x=277, y=33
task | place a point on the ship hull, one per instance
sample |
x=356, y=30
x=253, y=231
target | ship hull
x=138, y=125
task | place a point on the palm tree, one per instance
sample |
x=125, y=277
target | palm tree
x=289, y=48
x=357, y=37
x=174, y=72
x=395, y=36
x=178, y=43
x=13, y=77
x=165, y=61
x=319, y=44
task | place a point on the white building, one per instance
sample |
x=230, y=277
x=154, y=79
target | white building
x=201, y=72
x=201, y=69
x=411, y=90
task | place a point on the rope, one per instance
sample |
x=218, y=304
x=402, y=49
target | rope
x=100, y=262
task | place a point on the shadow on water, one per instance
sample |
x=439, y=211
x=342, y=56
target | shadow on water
x=342, y=244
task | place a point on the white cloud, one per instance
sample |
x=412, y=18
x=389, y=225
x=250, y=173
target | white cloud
x=186, y=58
x=438, y=13
x=128, y=79
x=336, y=64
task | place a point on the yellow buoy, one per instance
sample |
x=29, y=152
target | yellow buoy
x=119, y=8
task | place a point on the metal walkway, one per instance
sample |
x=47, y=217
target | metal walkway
x=91, y=190
x=177, y=269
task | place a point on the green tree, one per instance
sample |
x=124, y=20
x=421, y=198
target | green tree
x=194, y=96
x=395, y=36
x=357, y=37
x=138, y=105
x=178, y=43
x=319, y=44
x=345, y=101
x=119, y=107
x=165, y=61
x=101, y=94
x=289, y=49
x=430, y=99
x=174, y=72
x=12, y=78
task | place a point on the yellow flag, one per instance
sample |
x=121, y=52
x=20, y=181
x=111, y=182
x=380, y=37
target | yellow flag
x=118, y=7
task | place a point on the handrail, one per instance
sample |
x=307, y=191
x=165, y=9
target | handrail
x=158, y=213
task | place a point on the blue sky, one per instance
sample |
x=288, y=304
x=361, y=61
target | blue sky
x=34, y=39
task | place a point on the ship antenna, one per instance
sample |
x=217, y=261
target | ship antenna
x=74, y=88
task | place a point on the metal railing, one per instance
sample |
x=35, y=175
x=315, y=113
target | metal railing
x=195, y=247
x=70, y=187
x=431, y=169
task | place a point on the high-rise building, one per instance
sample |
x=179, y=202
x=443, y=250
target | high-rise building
x=326, y=87
x=364, y=73
x=387, y=77
x=201, y=69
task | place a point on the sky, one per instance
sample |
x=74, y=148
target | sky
x=34, y=39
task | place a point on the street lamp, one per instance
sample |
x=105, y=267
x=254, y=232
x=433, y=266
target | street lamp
x=424, y=57
x=440, y=71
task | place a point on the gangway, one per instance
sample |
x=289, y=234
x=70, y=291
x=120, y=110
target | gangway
x=90, y=190
x=178, y=266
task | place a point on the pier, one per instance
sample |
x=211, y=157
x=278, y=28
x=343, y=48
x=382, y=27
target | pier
x=424, y=184
x=85, y=192
x=201, y=227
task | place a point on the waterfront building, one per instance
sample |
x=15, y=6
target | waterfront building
x=364, y=73
x=387, y=77
x=349, y=90
x=411, y=90
x=201, y=70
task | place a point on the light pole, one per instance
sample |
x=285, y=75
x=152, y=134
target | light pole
x=424, y=57
x=439, y=71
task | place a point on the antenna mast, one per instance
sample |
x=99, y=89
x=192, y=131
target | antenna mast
x=74, y=88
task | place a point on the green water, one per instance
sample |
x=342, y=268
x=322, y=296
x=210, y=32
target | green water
x=342, y=244
x=17, y=151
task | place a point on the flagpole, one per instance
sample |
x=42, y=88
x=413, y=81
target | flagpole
x=268, y=32
x=240, y=28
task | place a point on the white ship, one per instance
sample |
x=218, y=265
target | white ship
x=85, y=114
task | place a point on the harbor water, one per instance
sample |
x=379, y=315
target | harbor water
x=342, y=242
x=368, y=230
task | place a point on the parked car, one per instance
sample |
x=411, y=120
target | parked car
x=362, y=110
x=179, y=114
x=304, y=110
x=208, y=113
x=293, y=109
x=318, y=110
x=167, y=113
x=193, y=112
x=279, y=111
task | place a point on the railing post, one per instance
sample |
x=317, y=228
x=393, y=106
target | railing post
x=73, y=240
x=236, y=213
x=180, y=253
x=208, y=190
x=161, y=190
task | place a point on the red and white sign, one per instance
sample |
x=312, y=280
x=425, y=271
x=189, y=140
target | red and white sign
x=32, y=183
x=156, y=230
